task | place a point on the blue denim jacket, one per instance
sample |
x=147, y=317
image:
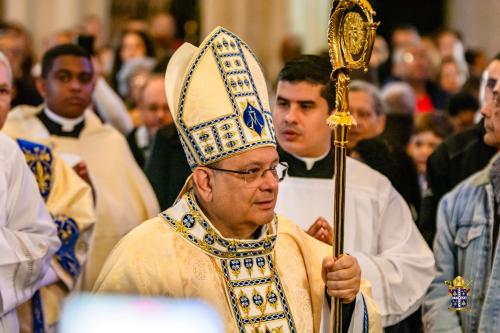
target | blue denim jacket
x=463, y=246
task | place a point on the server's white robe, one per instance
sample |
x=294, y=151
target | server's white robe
x=28, y=236
x=379, y=232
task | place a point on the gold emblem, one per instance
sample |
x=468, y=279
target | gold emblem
x=459, y=290
x=354, y=32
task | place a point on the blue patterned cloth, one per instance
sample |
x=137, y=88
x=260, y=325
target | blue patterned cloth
x=68, y=233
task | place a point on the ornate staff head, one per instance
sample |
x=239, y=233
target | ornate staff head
x=351, y=34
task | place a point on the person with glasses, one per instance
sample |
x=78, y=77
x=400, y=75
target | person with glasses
x=153, y=109
x=458, y=157
x=379, y=230
x=467, y=243
x=222, y=241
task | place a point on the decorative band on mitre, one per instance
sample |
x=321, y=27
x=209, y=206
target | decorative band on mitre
x=223, y=107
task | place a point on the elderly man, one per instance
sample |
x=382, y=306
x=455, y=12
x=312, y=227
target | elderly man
x=379, y=230
x=367, y=107
x=222, y=241
x=124, y=197
x=467, y=248
x=154, y=114
x=28, y=237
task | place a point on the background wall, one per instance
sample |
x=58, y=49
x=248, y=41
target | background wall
x=264, y=23
x=478, y=21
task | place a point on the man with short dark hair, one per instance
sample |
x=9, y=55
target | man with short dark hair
x=124, y=197
x=379, y=229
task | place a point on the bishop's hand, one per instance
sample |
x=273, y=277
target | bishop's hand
x=342, y=277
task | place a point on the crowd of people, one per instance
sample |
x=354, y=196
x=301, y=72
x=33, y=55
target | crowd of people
x=152, y=168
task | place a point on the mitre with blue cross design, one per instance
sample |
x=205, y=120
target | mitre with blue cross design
x=217, y=95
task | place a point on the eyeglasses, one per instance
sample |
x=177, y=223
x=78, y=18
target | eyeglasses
x=253, y=177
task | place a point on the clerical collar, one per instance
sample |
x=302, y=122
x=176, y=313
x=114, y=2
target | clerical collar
x=310, y=161
x=142, y=137
x=67, y=124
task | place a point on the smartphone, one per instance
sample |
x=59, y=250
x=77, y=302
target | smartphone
x=86, y=42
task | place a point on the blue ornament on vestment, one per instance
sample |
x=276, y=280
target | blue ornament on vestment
x=39, y=160
x=68, y=233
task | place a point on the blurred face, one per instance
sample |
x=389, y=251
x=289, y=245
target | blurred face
x=163, y=27
x=68, y=87
x=5, y=93
x=132, y=47
x=451, y=78
x=414, y=65
x=447, y=42
x=380, y=52
x=300, y=116
x=12, y=45
x=421, y=146
x=404, y=37
x=369, y=123
x=489, y=109
x=237, y=204
x=154, y=108
x=135, y=85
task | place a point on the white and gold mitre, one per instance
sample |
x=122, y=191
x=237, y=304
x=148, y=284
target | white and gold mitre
x=217, y=95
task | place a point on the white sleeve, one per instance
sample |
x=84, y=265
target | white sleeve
x=365, y=317
x=28, y=236
x=401, y=267
x=111, y=107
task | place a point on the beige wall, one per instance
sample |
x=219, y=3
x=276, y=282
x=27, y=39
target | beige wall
x=262, y=24
x=479, y=22
x=44, y=17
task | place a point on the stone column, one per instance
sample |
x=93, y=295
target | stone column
x=43, y=18
x=261, y=23
x=19, y=11
x=309, y=20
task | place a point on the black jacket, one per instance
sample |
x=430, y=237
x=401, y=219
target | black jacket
x=167, y=168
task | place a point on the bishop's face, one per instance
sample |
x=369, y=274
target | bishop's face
x=239, y=203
